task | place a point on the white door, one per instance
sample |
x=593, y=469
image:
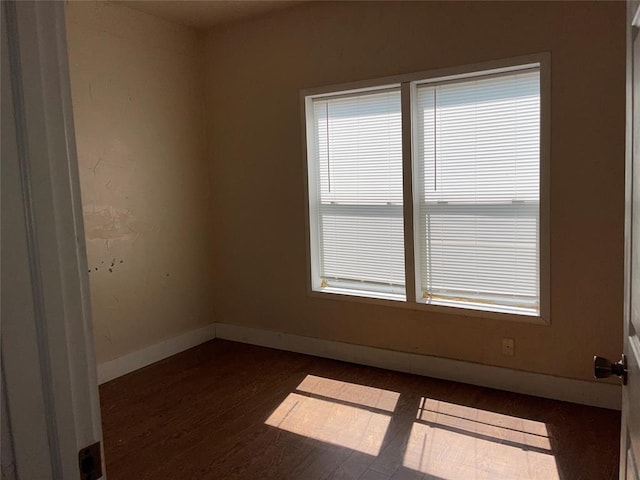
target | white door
x=630, y=433
x=50, y=411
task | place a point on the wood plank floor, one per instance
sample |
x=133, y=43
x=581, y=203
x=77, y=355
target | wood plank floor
x=226, y=410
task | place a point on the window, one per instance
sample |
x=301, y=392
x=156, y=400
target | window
x=356, y=200
x=468, y=230
x=477, y=171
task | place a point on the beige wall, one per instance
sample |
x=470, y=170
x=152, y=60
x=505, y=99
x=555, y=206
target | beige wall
x=137, y=88
x=255, y=71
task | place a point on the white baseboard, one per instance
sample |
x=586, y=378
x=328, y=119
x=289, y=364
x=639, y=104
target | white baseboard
x=146, y=356
x=595, y=394
x=547, y=386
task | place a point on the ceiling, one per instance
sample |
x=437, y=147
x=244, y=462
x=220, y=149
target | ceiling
x=206, y=13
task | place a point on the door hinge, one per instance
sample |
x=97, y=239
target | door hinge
x=90, y=462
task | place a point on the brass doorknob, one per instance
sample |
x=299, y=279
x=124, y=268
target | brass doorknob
x=603, y=368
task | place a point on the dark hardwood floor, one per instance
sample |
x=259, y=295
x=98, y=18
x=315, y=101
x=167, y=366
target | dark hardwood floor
x=226, y=410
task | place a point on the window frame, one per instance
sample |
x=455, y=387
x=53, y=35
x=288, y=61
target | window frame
x=407, y=84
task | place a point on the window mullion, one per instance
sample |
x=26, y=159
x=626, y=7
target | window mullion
x=407, y=189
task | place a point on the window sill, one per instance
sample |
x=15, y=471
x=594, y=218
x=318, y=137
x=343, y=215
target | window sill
x=362, y=294
x=449, y=308
x=484, y=308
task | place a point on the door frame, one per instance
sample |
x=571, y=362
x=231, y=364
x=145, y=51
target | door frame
x=62, y=343
x=633, y=18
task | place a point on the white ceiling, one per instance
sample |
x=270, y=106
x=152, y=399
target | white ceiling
x=206, y=13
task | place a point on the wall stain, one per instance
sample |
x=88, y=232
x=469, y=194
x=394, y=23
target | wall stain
x=111, y=268
x=109, y=223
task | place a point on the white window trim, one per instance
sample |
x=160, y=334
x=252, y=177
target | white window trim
x=407, y=82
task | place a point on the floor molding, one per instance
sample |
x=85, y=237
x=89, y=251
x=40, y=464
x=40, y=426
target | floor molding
x=594, y=394
x=146, y=356
x=604, y=395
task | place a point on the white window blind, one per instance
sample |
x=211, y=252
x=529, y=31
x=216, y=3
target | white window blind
x=355, y=151
x=477, y=190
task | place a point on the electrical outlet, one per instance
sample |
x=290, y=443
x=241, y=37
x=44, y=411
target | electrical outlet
x=508, y=347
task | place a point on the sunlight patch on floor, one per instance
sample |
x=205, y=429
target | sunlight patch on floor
x=453, y=441
x=350, y=392
x=341, y=413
